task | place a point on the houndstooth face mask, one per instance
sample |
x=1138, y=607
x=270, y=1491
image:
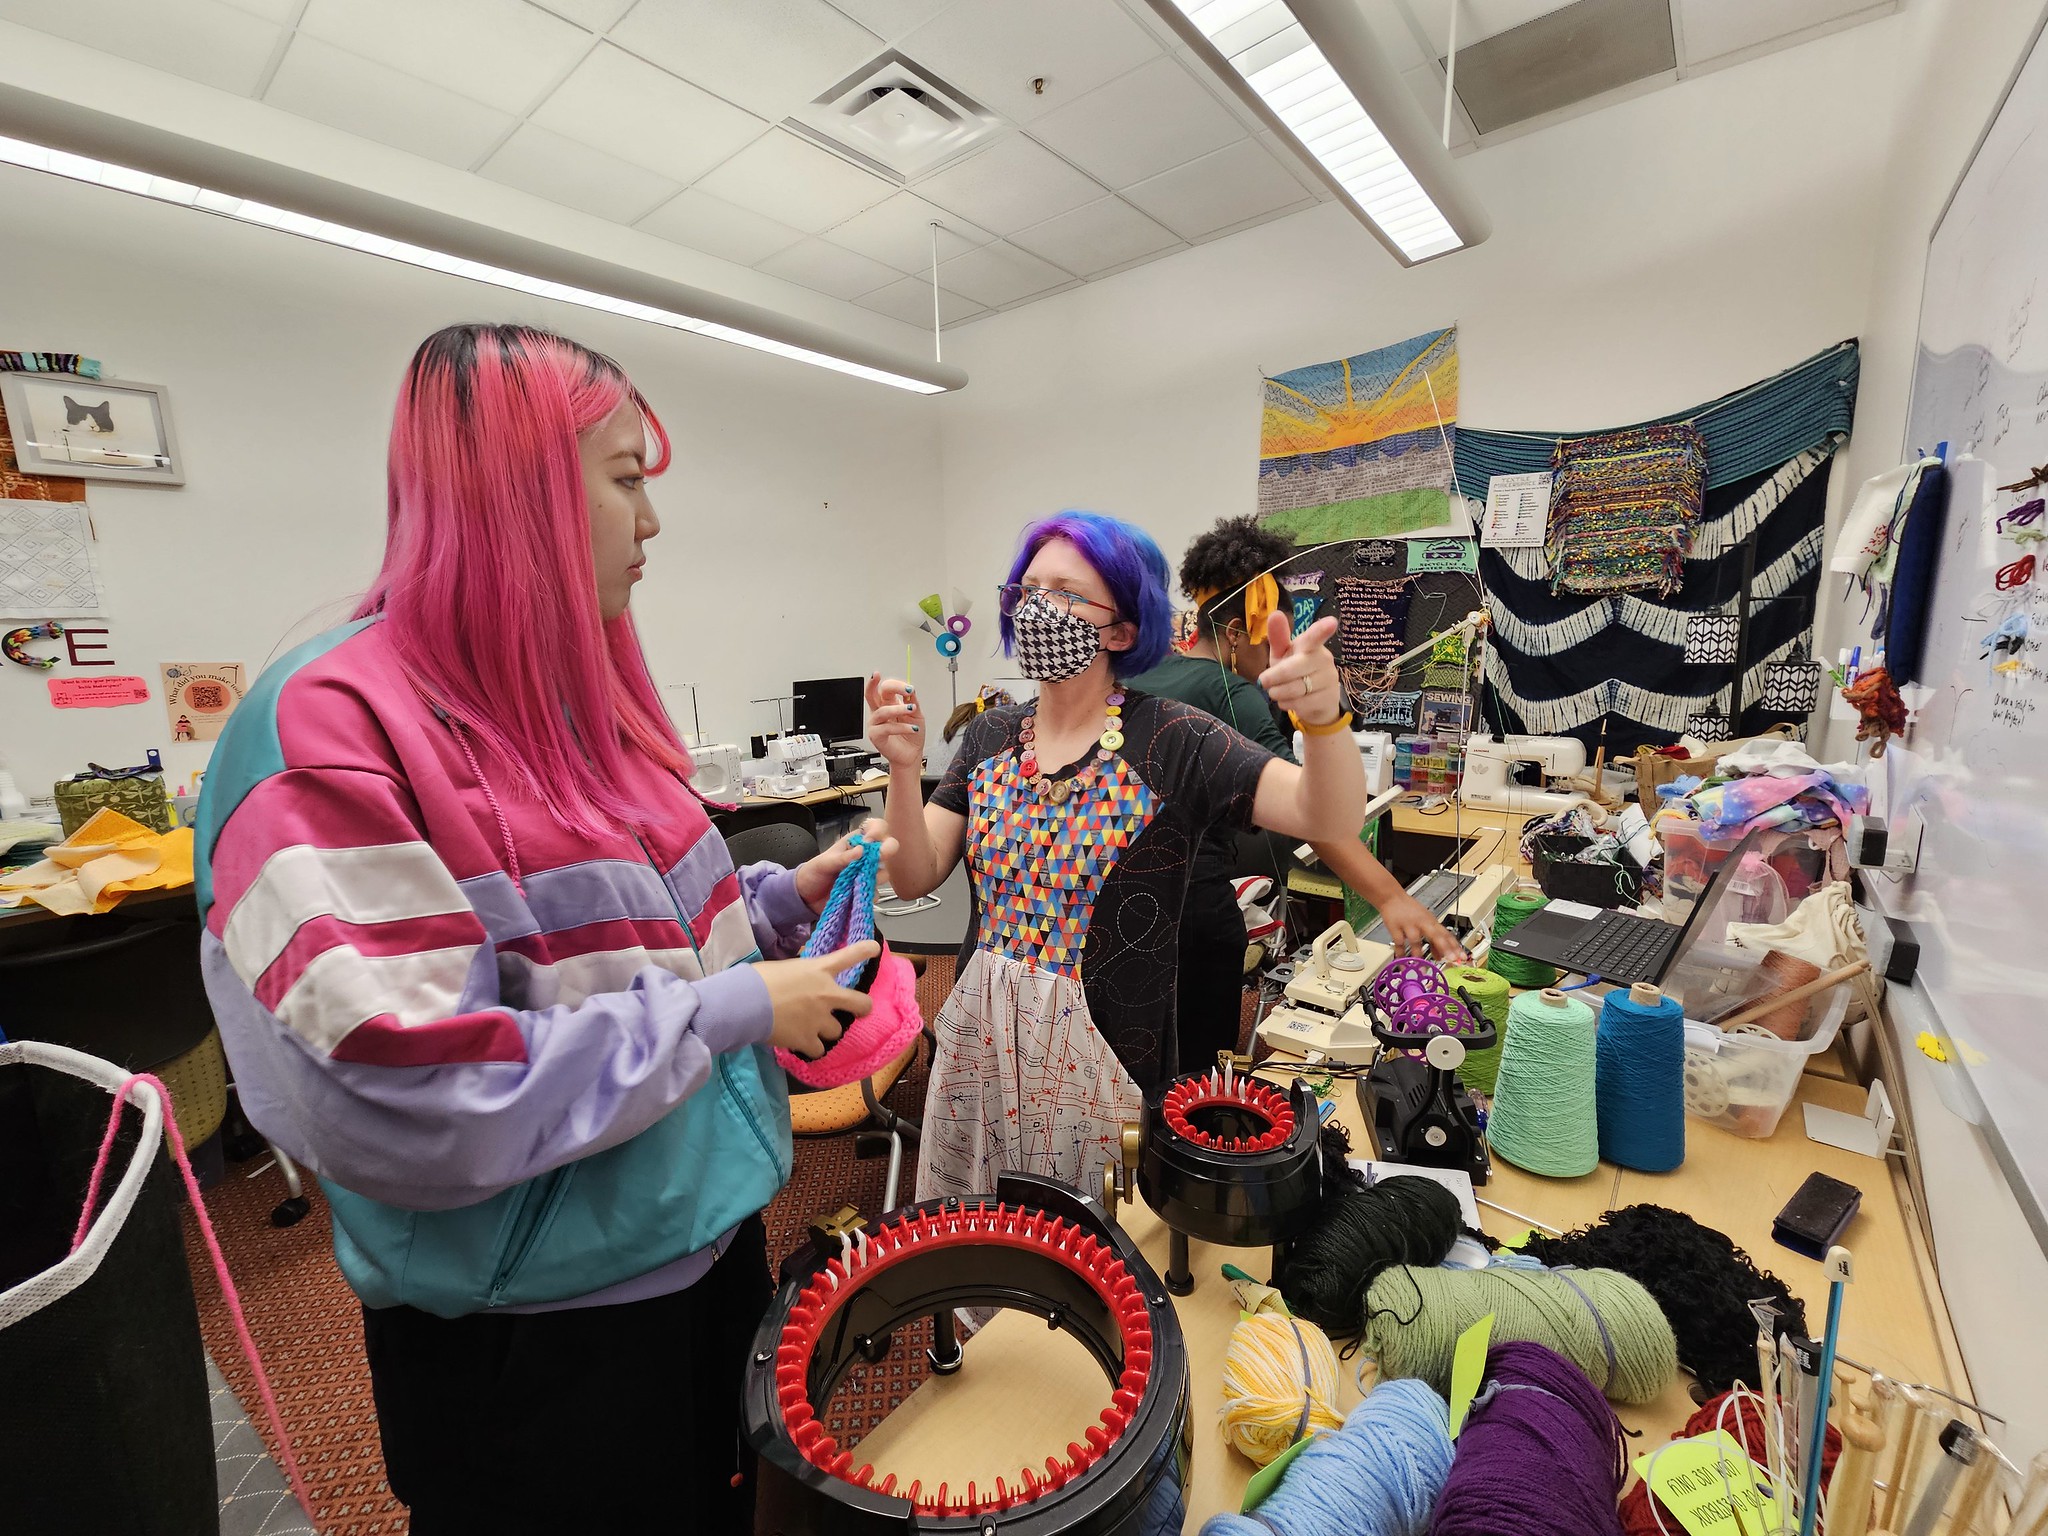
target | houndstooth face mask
x=1052, y=646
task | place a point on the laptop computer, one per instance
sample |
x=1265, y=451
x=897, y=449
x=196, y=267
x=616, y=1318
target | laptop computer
x=1618, y=946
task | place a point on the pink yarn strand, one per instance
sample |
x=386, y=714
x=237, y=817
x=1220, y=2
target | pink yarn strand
x=213, y=1248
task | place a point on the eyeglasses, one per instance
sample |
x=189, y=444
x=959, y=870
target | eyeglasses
x=1011, y=595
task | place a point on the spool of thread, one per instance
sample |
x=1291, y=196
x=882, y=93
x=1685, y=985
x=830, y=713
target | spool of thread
x=1510, y=910
x=1599, y=1319
x=1540, y=1454
x=1640, y=1079
x=1787, y=972
x=1489, y=992
x=1745, y=1422
x=1379, y=1475
x=1545, y=1117
x=1636, y=839
x=1363, y=1229
x=1279, y=1383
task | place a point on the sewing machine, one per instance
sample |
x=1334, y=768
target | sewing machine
x=717, y=773
x=1375, y=750
x=796, y=765
x=1322, y=1012
x=1489, y=778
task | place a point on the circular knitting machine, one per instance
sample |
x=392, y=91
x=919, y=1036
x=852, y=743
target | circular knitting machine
x=1035, y=1246
x=1227, y=1158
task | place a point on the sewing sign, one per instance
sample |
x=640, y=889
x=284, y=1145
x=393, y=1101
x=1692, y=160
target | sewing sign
x=200, y=695
x=1517, y=511
x=1712, y=1487
x=97, y=692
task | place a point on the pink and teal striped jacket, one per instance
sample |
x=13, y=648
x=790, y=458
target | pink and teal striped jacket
x=529, y=1070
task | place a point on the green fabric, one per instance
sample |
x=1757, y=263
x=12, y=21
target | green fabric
x=1365, y=517
x=1209, y=685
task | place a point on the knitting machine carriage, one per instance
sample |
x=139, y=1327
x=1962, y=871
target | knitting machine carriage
x=1035, y=1246
x=1320, y=1013
x=1417, y=1108
x=1224, y=1157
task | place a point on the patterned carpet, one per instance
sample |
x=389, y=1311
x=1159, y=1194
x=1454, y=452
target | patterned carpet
x=308, y=1324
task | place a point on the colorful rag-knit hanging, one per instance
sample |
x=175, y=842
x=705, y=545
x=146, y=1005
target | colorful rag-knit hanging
x=50, y=362
x=1361, y=447
x=1622, y=509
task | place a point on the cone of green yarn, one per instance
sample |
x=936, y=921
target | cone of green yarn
x=1490, y=994
x=1544, y=1116
x=1511, y=909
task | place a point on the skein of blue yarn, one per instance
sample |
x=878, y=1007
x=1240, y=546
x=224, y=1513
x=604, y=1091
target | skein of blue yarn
x=1640, y=1080
x=1377, y=1476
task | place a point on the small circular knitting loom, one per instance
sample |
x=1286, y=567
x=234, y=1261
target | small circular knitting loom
x=1035, y=1246
x=1224, y=1157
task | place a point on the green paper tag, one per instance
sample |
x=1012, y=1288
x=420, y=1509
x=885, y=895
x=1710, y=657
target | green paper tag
x=1519, y=1238
x=1712, y=1487
x=1267, y=1478
x=1468, y=1369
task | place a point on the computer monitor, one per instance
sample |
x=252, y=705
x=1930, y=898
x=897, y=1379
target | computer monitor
x=830, y=708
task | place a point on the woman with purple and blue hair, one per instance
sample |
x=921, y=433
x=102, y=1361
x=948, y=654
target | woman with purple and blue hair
x=1078, y=813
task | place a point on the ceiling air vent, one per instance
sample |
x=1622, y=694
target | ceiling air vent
x=898, y=120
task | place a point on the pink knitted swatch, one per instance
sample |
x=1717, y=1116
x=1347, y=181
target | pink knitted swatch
x=870, y=1042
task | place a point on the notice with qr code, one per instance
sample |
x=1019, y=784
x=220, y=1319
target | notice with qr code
x=200, y=695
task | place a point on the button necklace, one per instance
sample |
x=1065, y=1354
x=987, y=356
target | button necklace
x=1057, y=791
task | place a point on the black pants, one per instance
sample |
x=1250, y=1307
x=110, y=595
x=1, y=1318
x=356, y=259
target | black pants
x=1209, y=994
x=620, y=1418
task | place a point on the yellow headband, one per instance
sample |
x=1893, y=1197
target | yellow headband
x=1261, y=597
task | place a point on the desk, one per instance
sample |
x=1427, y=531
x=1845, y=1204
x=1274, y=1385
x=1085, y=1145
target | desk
x=1021, y=1397
x=832, y=794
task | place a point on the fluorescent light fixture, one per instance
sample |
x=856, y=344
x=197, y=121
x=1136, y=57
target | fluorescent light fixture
x=1312, y=69
x=604, y=285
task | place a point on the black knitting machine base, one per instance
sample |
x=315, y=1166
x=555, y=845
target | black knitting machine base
x=1036, y=1246
x=1417, y=1108
x=1227, y=1158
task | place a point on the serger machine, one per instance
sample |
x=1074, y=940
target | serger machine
x=1412, y=1099
x=1035, y=1246
x=796, y=765
x=1489, y=779
x=1224, y=1157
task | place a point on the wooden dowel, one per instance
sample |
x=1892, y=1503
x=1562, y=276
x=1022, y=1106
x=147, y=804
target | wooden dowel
x=1799, y=994
x=1848, y=1507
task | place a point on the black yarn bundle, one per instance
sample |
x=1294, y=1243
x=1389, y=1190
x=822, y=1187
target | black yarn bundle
x=1701, y=1280
x=1361, y=1230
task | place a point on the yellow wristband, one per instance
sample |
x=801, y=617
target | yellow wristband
x=1331, y=728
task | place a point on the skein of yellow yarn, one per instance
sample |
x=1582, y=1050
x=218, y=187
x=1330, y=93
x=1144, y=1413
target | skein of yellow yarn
x=1279, y=1383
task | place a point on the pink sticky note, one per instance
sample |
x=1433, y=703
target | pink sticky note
x=97, y=692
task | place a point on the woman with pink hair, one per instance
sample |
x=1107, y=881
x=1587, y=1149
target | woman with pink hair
x=481, y=962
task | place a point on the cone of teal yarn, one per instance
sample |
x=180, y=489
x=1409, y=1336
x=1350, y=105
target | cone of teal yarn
x=1641, y=1079
x=1512, y=908
x=1490, y=993
x=1545, y=1117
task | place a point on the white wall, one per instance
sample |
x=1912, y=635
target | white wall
x=283, y=356
x=1644, y=258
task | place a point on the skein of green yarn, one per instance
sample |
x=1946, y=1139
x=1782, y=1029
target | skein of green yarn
x=1490, y=994
x=1544, y=1116
x=1414, y=1317
x=1510, y=909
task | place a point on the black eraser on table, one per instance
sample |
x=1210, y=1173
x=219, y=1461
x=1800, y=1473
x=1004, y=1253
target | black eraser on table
x=1816, y=1215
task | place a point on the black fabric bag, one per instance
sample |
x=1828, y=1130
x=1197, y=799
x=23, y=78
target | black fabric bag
x=104, y=1420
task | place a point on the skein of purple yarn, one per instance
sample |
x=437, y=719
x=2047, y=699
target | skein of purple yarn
x=1541, y=1453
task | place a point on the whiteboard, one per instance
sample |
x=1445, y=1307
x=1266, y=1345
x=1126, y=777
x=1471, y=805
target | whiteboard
x=1975, y=769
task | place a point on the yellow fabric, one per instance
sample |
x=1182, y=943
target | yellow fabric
x=93, y=868
x=1261, y=597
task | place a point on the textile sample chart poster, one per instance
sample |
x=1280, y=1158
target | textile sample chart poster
x=1361, y=447
x=46, y=562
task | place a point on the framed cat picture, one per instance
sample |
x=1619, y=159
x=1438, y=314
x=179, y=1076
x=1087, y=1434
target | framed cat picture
x=91, y=429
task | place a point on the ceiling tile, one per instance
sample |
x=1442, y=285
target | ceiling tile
x=1095, y=238
x=503, y=53
x=794, y=181
x=563, y=171
x=1218, y=191
x=829, y=268
x=283, y=12
x=909, y=299
x=769, y=56
x=646, y=116
x=594, y=14
x=704, y=223
x=1479, y=18
x=1728, y=26
x=203, y=40
x=359, y=96
x=1012, y=184
x=891, y=19
x=1000, y=274
x=1145, y=122
x=994, y=49
x=899, y=233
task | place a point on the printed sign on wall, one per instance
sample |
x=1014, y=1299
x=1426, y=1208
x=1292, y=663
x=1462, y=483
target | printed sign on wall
x=200, y=695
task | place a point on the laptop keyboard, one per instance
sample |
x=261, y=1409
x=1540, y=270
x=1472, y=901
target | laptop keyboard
x=1619, y=944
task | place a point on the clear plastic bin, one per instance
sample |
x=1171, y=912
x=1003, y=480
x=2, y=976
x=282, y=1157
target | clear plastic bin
x=1743, y=1082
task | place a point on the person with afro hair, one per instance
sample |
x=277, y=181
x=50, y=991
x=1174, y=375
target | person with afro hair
x=1228, y=573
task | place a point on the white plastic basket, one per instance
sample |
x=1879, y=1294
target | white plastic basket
x=1743, y=1082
